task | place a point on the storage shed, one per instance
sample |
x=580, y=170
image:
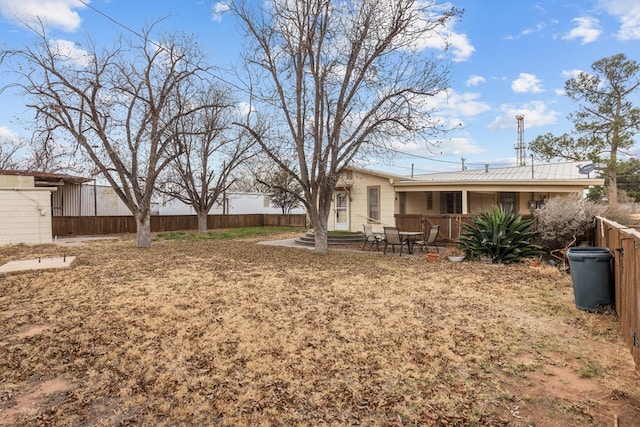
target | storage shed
x=28, y=200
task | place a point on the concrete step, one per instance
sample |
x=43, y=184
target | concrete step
x=309, y=239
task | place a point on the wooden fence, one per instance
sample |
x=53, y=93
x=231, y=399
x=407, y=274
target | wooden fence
x=450, y=225
x=102, y=225
x=624, y=242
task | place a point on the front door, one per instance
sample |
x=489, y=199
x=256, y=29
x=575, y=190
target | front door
x=342, y=210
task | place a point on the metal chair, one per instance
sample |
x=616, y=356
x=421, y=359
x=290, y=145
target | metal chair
x=370, y=237
x=392, y=237
x=429, y=239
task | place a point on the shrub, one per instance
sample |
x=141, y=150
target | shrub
x=502, y=235
x=622, y=212
x=561, y=218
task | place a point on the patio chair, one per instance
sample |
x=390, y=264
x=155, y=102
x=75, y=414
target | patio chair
x=371, y=238
x=392, y=237
x=429, y=239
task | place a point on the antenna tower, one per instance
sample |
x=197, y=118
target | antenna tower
x=520, y=146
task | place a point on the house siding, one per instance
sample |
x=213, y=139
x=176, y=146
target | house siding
x=480, y=190
x=25, y=216
x=356, y=185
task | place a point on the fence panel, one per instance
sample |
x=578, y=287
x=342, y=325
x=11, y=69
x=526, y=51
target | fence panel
x=101, y=225
x=290, y=220
x=624, y=242
x=450, y=225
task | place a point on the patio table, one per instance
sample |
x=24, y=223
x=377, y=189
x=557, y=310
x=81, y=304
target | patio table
x=411, y=237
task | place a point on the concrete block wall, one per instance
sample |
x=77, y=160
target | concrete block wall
x=25, y=216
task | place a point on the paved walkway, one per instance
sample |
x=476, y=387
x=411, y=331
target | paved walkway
x=291, y=243
x=78, y=241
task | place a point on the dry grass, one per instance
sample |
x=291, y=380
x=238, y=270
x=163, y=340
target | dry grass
x=234, y=333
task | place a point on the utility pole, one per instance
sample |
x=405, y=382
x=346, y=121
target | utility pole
x=520, y=146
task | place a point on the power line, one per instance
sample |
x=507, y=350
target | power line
x=115, y=21
x=433, y=159
x=142, y=37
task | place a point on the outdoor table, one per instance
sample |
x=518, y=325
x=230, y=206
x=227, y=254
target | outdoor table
x=411, y=236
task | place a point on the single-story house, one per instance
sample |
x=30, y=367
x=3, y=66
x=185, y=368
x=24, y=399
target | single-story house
x=382, y=199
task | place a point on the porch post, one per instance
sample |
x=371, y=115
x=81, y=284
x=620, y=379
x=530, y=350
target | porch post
x=465, y=207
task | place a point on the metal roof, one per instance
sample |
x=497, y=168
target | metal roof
x=47, y=177
x=568, y=171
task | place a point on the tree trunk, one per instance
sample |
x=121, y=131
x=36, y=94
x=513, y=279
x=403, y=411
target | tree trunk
x=613, y=189
x=143, y=230
x=202, y=222
x=320, y=231
x=319, y=221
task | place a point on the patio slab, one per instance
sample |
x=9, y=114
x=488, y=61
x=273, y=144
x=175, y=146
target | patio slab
x=37, y=264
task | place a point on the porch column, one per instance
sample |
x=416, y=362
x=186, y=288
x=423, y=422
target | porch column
x=465, y=207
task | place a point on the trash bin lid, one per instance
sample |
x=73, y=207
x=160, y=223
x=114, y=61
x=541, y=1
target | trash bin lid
x=588, y=249
x=595, y=253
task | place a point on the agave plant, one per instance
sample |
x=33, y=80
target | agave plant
x=502, y=235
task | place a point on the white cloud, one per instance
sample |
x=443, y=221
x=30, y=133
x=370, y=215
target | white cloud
x=464, y=104
x=570, y=74
x=539, y=27
x=69, y=50
x=459, y=146
x=536, y=113
x=447, y=38
x=526, y=83
x=56, y=13
x=7, y=134
x=455, y=146
x=475, y=80
x=244, y=108
x=451, y=108
x=462, y=47
x=628, y=14
x=217, y=10
x=586, y=29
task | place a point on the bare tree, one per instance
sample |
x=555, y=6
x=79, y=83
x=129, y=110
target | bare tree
x=10, y=147
x=48, y=155
x=120, y=105
x=207, y=153
x=335, y=77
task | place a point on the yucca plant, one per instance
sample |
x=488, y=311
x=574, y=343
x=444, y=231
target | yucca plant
x=503, y=235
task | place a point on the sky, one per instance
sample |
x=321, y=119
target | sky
x=506, y=58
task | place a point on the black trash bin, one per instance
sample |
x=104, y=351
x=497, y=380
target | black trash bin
x=593, y=287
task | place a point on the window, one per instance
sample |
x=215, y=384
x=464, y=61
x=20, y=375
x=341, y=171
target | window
x=509, y=201
x=452, y=202
x=373, y=204
x=429, y=200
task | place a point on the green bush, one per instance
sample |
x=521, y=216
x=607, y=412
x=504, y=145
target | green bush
x=502, y=235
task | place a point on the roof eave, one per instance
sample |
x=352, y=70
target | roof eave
x=556, y=182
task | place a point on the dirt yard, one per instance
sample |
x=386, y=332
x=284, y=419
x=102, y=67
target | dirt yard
x=231, y=333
